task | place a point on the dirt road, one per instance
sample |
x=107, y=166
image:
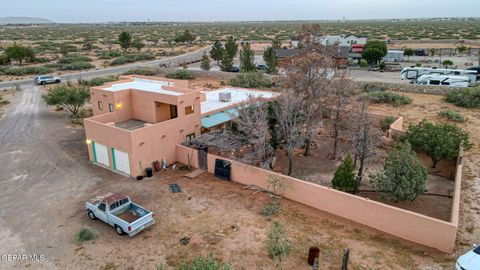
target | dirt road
x=38, y=179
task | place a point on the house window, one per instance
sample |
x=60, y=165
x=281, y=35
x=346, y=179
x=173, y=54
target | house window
x=173, y=111
x=110, y=107
x=188, y=110
x=100, y=106
x=190, y=138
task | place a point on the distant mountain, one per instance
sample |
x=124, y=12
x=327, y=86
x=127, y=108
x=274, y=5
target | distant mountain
x=24, y=20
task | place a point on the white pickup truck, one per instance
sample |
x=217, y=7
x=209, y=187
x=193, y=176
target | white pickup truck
x=119, y=211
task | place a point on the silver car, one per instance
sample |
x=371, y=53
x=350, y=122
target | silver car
x=42, y=80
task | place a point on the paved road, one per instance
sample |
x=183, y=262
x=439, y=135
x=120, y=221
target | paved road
x=174, y=61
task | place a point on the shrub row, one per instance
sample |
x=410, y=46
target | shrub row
x=69, y=59
x=109, y=54
x=180, y=75
x=467, y=98
x=77, y=66
x=145, y=71
x=98, y=81
x=251, y=80
x=453, y=115
x=390, y=98
x=20, y=71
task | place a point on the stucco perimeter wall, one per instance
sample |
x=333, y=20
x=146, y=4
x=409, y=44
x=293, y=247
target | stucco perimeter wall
x=402, y=223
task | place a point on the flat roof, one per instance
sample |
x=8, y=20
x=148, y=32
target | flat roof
x=155, y=86
x=239, y=95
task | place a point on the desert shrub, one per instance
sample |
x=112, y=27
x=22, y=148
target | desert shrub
x=390, y=98
x=180, y=75
x=146, y=71
x=453, y=115
x=344, y=178
x=41, y=60
x=69, y=59
x=271, y=209
x=85, y=234
x=467, y=98
x=20, y=71
x=109, y=54
x=386, y=122
x=278, y=245
x=98, y=80
x=208, y=263
x=77, y=66
x=3, y=101
x=403, y=176
x=251, y=80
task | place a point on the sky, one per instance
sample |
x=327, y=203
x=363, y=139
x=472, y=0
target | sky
x=73, y=11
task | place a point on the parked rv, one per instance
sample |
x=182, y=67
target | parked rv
x=469, y=260
x=414, y=73
x=443, y=80
x=477, y=69
x=119, y=211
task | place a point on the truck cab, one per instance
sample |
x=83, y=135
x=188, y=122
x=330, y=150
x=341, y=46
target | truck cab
x=119, y=211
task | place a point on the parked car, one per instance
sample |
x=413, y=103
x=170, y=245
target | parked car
x=119, y=211
x=261, y=67
x=235, y=69
x=477, y=69
x=469, y=260
x=42, y=80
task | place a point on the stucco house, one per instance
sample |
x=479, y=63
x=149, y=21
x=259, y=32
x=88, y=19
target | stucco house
x=138, y=120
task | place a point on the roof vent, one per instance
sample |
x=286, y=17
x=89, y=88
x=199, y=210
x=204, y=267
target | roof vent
x=225, y=96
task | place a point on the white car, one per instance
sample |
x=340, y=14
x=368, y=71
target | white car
x=469, y=260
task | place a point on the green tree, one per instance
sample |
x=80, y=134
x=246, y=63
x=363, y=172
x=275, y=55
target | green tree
x=138, y=44
x=408, y=52
x=344, y=178
x=373, y=55
x=278, y=244
x=216, y=53
x=439, y=141
x=70, y=98
x=19, y=53
x=185, y=37
x=403, y=176
x=276, y=43
x=205, y=63
x=125, y=40
x=271, y=60
x=433, y=51
x=229, y=53
x=374, y=51
x=462, y=49
x=447, y=63
x=247, y=58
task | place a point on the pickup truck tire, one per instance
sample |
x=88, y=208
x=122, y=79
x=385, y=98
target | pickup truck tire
x=91, y=215
x=119, y=230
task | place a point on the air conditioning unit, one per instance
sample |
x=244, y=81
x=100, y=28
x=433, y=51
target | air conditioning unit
x=225, y=96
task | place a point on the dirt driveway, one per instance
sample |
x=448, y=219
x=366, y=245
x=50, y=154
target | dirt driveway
x=45, y=178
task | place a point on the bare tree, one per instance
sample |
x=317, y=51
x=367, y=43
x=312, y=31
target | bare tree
x=251, y=126
x=341, y=95
x=365, y=139
x=309, y=76
x=287, y=111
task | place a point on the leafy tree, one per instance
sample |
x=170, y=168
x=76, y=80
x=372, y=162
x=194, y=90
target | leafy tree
x=125, y=40
x=462, y=49
x=403, y=176
x=19, y=53
x=4, y=59
x=433, y=51
x=185, y=37
x=247, y=59
x=408, y=52
x=216, y=53
x=271, y=60
x=373, y=55
x=439, y=141
x=344, y=178
x=278, y=244
x=71, y=98
x=138, y=44
x=447, y=63
x=374, y=51
x=276, y=43
x=205, y=62
x=229, y=53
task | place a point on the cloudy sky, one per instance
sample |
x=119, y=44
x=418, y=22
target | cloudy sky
x=227, y=10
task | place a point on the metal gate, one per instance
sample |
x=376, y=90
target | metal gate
x=202, y=157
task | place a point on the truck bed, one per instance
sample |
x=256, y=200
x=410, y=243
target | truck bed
x=129, y=216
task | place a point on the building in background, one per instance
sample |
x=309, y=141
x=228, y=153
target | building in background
x=393, y=56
